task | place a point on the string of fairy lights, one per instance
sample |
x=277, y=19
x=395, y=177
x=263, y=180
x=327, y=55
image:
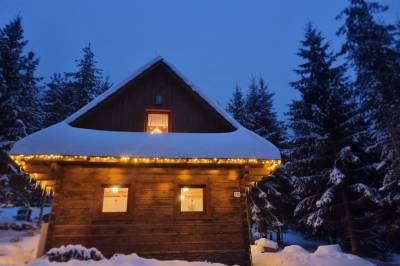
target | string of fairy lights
x=22, y=160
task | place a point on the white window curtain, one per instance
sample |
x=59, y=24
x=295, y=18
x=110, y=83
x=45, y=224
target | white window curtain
x=158, y=120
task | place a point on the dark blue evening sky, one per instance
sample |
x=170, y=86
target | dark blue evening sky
x=216, y=44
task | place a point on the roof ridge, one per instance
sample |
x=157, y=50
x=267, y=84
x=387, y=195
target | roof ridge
x=103, y=96
x=99, y=99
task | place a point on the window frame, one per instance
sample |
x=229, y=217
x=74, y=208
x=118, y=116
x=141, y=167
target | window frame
x=157, y=111
x=98, y=213
x=205, y=214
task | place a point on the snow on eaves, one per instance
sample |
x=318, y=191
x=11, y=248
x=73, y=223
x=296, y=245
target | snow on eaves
x=63, y=139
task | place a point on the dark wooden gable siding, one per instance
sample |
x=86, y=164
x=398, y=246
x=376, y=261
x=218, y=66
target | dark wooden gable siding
x=126, y=109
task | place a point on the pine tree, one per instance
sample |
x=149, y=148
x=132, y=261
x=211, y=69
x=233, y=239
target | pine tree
x=373, y=50
x=58, y=99
x=260, y=115
x=15, y=187
x=88, y=79
x=236, y=106
x=271, y=204
x=326, y=124
x=68, y=92
x=31, y=111
x=19, y=106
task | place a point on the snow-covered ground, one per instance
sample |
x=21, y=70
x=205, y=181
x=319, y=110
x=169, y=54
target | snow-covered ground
x=124, y=260
x=22, y=251
x=7, y=215
x=17, y=247
x=330, y=255
x=293, y=238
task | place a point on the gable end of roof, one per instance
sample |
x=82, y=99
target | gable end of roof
x=114, y=90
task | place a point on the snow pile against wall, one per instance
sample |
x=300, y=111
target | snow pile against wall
x=330, y=255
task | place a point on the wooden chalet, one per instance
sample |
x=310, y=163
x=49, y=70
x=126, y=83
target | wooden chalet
x=152, y=167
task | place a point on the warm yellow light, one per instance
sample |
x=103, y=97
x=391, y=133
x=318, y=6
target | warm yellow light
x=182, y=197
x=156, y=131
x=124, y=158
x=185, y=189
x=114, y=189
x=22, y=159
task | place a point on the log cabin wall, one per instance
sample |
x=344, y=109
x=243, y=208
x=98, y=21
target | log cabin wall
x=126, y=110
x=153, y=228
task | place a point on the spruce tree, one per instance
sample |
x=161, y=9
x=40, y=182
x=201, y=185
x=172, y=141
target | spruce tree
x=260, y=114
x=271, y=205
x=236, y=106
x=326, y=124
x=269, y=199
x=256, y=112
x=19, y=106
x=88, y=79
x=372, y=48
x=68, y=92
x=58, y=99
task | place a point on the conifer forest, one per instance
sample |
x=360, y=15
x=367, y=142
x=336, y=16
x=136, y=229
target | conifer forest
x=339, y=180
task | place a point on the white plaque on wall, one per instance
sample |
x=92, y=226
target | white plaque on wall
x=236, y=194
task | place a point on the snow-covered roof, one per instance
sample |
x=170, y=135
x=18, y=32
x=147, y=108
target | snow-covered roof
x=64, y=139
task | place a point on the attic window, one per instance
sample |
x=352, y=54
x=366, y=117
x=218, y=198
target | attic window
x=157, y=122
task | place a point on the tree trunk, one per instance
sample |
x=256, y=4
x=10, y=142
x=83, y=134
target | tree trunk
x=278, y=236
x=349, y=223
x=388, y=121
x=42, y=201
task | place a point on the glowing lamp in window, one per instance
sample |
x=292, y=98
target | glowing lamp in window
x=157, y=123
x=192, y=199
x=115, y=199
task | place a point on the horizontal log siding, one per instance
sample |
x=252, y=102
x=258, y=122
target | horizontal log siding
x=153, y=227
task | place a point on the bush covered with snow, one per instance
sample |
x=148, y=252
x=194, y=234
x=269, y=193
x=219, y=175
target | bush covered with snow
x=73, y=252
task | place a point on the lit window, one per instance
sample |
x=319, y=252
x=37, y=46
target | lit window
x=192, y=199
x=157, y=123
x=115, y=199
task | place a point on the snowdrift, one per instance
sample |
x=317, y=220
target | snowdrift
x=330, y=255
x=123, y=260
